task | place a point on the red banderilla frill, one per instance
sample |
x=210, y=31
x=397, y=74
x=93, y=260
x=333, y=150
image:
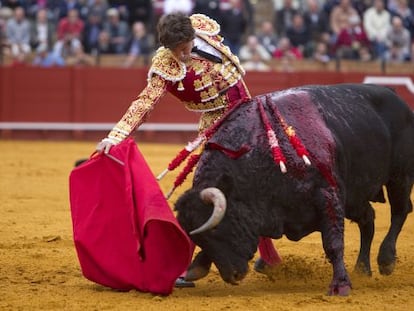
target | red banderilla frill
x=294, y=140
x=182, y=155
x=277, y=153
x=192, y=161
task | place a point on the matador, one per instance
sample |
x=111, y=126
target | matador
x=195, y=66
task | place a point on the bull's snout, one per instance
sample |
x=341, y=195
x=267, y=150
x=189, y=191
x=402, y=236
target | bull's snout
x=234, y=276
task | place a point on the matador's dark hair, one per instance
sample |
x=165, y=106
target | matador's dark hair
x=174, y=29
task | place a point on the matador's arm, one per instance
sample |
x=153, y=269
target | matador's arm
x=139, y=110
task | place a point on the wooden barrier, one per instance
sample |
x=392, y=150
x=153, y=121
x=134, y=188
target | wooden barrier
x=85, y=102
x=339, y=66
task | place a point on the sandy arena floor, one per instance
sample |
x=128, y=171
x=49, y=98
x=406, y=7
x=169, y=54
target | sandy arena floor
x=39, y=269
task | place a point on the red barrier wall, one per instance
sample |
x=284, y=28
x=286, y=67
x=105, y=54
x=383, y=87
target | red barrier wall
x=96, y=95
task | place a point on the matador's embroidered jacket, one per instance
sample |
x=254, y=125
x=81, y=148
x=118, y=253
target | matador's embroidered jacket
x=202, y=85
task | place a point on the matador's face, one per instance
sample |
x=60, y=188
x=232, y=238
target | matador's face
x=183, y=51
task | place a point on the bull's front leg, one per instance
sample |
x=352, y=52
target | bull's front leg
x=332, y=229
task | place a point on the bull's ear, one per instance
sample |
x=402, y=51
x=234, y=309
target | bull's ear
x=225, y=183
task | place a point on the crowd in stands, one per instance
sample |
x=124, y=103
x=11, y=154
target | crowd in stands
x=78, y=32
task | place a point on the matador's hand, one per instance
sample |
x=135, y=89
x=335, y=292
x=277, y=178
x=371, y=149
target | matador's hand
x=105, y=145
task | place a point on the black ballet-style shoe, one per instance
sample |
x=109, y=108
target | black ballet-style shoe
x=181, y=283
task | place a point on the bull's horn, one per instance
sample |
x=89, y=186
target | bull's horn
x=215, y=196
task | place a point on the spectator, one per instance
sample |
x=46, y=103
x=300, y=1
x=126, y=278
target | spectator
x=71, y=26
x=352, y=41
x=248, y=11
x=267, y=36
x=253, y=47
x=321, y=53
x=407, y=16
x=246, y=8
x=299, y=35
x=98, y=7
x=90, y=35
x=118, y=31
x=344, y=11
x=3, y=20
x=398, y=41
x=122, y=7
x=316, y=20
x=305, y=5
x=140, y=46
x=13, y=4
x=286, y=54
x=392, y=5
x=233, y=26
x=141, y=11
x=42, y=31
x=44, y=58
x=361, y=5
x=71, y=50
x=255, y=63
x=63, y=7
x=18, y=35
x=33, y=6
x=412, y=51
x=104, y=43
x=158, y=11
x=211, y=8
x=278, y=4
x=377, y=21
x=5, y=15
x=284, y=17
x=286, y=50
x=174, y=6
x=329, y=5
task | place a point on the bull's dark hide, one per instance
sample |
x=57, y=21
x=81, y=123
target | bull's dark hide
x=359, y=138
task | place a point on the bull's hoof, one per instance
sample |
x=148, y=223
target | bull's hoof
x=195, y=273
x=343, y=290
x=262, y=267
x=362, y=269
x=387, y=269
x=387, y=257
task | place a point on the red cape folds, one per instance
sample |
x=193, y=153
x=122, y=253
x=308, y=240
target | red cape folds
x=125, y=234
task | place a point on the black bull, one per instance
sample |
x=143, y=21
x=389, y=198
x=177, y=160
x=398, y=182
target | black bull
x=360, y=139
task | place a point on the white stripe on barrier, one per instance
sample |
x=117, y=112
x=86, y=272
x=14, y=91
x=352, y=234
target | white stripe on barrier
x=68, y=126
x=391, y=81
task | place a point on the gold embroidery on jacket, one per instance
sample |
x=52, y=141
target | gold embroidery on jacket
x=198, y=85
x=208, y=118
x=140, y=108
x=215, y=104
x=167, y=66
x=197, y=67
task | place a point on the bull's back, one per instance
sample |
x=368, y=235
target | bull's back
x=361, y=134
x=370, y=115
x=374, y=134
